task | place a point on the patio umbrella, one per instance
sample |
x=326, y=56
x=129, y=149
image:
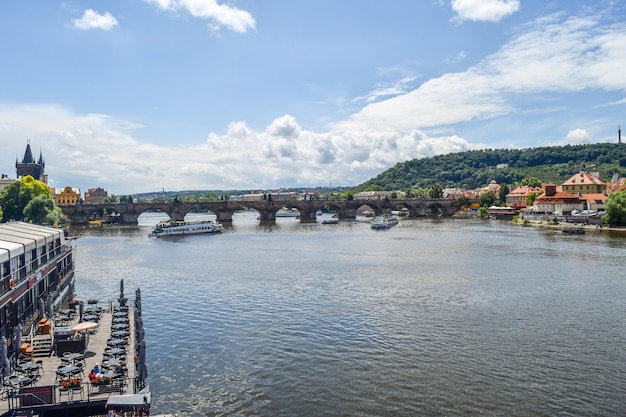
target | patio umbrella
x=18, y=339
x=5, y=366
x=85, y=325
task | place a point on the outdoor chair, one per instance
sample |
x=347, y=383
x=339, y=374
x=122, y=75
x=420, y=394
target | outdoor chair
x=65, y=391
x=77, y=390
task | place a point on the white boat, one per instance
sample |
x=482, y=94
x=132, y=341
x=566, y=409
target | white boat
x=176, y=228
x=287, y=212
x=383, y=222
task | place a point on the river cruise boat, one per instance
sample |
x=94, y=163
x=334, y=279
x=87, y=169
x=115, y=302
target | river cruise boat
x=288, y=212
x=176, y=228
x=36, y=275
x=384, y=222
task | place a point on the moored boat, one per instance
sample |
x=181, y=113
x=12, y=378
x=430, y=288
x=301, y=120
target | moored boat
x=288, y=212
x=36, y=274
x=178, y=228
x=381, y=223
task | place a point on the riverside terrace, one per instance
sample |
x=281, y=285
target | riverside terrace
x=60, y=384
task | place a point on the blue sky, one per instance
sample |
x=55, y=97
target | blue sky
x=144, y=95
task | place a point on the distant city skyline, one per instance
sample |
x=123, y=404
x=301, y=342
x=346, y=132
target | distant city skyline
x=143, y=95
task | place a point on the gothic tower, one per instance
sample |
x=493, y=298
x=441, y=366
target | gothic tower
x=29, y=166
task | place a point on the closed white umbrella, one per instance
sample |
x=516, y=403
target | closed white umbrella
x=5, y=366
x=18, y=339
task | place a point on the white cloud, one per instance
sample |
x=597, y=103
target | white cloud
x=577, y=137
x=555, y=55
x=96, y=150
x=219, y=14
x=484, y=10
x=94, y=20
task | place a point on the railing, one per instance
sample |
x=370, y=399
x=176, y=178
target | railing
x=38, y=397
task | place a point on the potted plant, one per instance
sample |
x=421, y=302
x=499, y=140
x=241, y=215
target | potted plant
x=101, y=380
x=69, y=383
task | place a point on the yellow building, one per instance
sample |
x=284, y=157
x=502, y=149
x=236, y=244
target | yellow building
x=584, y=183
x=68, y=196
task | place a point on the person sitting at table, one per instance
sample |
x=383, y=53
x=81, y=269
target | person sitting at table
x=96, y=369
x=92, y=376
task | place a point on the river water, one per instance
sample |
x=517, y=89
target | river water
x=433, y=317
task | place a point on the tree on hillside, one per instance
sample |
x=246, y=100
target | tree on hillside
x=504, y=190
x=616, y=209
x=435, y=191
x=487, y=199
x=531, y=182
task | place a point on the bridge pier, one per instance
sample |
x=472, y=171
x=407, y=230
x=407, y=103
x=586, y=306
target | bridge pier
x=224, y=215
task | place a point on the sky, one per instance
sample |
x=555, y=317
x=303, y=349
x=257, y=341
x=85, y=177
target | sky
x=147, y=95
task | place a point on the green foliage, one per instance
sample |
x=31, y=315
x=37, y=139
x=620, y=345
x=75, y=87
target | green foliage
x=473, y=169
x=504, y=190
x=1, y=214
x=487, y=199
x=435, y=191
x=42, y=210
x=534, y=182
x=616, y=209
x=463, y=200
x=30, y=200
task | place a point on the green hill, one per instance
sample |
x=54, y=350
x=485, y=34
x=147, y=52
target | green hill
x=473, y=169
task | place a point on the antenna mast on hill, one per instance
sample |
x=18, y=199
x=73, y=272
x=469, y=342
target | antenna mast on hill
x=619, y=134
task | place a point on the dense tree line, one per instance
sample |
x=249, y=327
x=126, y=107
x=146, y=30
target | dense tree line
x=474, y=169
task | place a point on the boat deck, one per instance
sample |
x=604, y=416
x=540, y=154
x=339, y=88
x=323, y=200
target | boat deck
x=47, y=386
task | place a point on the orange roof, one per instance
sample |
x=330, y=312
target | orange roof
x=584, y=178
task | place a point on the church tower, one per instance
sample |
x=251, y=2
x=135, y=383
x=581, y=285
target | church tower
x=29, y=166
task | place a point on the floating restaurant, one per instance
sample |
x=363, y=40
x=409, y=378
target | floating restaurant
x=60, y=356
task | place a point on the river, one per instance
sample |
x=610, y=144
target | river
x=432, y=317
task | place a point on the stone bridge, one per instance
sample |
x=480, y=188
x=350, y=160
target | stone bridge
x=224, y=210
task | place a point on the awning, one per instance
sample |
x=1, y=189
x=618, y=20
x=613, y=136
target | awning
x=128, y=402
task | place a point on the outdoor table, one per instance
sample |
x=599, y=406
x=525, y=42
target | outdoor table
x=120, y=333
x=112, y=362
x=66, y=370
x=120, y=326
x=120, y=314
x=120, y=320
x=115, y=351
x=20, y=380
x=117, y=342
x=30, y=367
x=91, y=317
x=74, y=356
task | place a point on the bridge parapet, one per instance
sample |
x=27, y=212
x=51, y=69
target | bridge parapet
x=224, y=210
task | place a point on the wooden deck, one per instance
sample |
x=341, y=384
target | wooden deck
x=47, y=386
